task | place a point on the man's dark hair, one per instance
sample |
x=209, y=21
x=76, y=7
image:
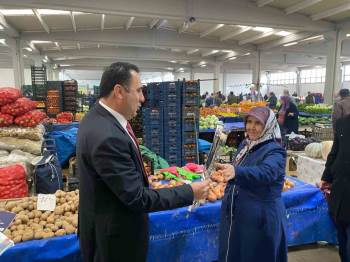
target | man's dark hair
x=116, y=73
x=344, y=92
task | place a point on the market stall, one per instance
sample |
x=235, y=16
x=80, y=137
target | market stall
x=181, y=235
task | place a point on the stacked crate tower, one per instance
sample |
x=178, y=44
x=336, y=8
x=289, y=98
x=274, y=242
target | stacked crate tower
x=170, y=120
x=190, y=121
x=152, y=114
x=171, y=94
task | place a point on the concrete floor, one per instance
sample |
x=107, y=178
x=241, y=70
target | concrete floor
x=313, y=253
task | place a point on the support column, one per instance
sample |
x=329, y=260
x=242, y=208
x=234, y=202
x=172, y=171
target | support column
x=217, y=77
x=298, y=84
x=224, y=83
x=333, y=72
x=257, y=70
x=268, y=81
x=191, y=73
x=17, y=61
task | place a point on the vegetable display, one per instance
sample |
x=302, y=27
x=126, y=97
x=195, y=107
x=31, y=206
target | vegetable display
x=19, y=107
x=30, y=119
x=208, y=122
x=315, y=109
x=314, y=150
x=31, y=223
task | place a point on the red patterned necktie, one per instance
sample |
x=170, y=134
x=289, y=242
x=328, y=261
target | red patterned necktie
x=129, y=128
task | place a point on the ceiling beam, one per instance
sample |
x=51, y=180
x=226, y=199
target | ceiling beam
x=129, y=22
x=78, y=46
x=41, y=20
x=207, y=11
x=103, y=19
x=153, y=23
x=131, y=53
x=300, y=6
x=256, y=37
x=8, y=29
x=139, y=38
x=261, y=3
x=72, y=18
x=192, y=51
x=58, y=46
x=211, y=52
x=236, y=33
x=331, y=12
x=284, y=40
x=211, y=30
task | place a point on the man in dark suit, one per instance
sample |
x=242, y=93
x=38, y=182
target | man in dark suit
x=114, y=193
x=336, y=185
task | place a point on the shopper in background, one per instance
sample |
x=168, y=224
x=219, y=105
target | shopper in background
x=253, y=218
x=232, y=98
x=209, y=101
x=286, y=93
x=218, y=99
x=309, y=99
x=114, y=193
x=336, y=185
x=341, y=107
x=288, y=116
x=272, y=100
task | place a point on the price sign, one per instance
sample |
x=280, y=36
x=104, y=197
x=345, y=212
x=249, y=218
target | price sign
x=46, y=202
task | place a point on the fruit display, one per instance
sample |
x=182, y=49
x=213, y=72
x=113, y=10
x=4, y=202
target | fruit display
x=315, y=109
x=19, y=107
x=208, y=122
x=299, y=143
x=31, y=223
x=30, y=119
x=232, y=110
x=9, y=95
x=53, y=102
x=313, y=120
x=65, y=118
x=287, y=185
x=5, y=120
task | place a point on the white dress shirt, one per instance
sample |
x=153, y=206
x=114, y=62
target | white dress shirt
x=120, y=118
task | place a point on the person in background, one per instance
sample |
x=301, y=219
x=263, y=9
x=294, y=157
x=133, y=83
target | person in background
x=253, y=218
x=218, y=99
x=266, y=97
x=286, y=93
x=335, y=184
x=341, y=107
x=272, y=100
x=209, y=101
x=115, y=198
x=288, y=116
x=230, y=98
x=309, y=99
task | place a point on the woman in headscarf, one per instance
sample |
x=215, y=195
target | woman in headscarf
x=288, y=116
x=253, y=214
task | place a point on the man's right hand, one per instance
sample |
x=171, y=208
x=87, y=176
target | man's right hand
x=200, y=189
x=324, y=186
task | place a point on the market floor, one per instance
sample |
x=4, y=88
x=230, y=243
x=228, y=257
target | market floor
x=313, y=253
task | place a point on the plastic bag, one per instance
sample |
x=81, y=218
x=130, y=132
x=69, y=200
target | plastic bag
x=19, y=107
x=30, y=119
x=13, y=182
x=5, y=120
x=19, y=157
x=4, y=153
x=26, y=145
x=31, y=133
x=9, y=95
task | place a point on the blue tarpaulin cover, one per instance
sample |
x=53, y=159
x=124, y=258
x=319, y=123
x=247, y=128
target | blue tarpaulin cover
x=178, y=235
x=65, y=143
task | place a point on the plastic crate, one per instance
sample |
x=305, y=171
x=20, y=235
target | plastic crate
x=322, y=132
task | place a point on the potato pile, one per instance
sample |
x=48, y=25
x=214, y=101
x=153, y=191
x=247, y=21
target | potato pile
x=31, y=223
x=217, y=186
x=155, y=184
x=287, y=185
